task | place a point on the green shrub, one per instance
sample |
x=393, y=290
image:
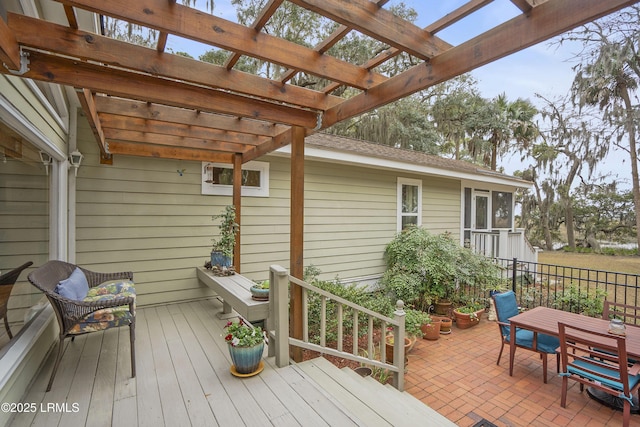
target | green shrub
x=580, y=301
x=424, y=267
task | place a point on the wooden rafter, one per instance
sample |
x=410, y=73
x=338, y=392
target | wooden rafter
x=545, y=21
x=145, y=110
x=186, y=22
x=9, y=48
x=265, y=14
x=117, y=82
x=337, y=35
x=368, y=18
x=143, y=101
x=87, y=101
x=447, y=20
x=86, y=46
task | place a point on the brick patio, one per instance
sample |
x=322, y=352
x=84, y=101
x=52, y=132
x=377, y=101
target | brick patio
x=457, y=375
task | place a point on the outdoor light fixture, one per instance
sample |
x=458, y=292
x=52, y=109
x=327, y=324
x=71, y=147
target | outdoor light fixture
x=75, y=158
x=46, y=161
x=208, y=170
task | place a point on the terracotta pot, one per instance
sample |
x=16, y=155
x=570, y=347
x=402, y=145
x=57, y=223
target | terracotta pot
x=445, y=324
x=389, y=349
x=467, y=320
x=431, y=331
x=443, y=308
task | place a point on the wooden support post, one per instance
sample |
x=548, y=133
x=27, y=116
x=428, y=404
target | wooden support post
x=237, y=202
x=278, y=319
x=297, y=234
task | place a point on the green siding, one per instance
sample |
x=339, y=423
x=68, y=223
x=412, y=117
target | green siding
x=24, y=227
x=15, y=90
x=140, y=214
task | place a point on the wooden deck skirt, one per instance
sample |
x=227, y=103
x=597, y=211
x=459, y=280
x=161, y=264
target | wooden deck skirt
x=235, y=293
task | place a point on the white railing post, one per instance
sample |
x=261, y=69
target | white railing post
x=503, y=245
x=398, y=346
x=279, y=314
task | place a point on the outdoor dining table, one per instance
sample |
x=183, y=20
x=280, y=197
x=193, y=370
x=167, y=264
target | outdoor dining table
x=544, y=320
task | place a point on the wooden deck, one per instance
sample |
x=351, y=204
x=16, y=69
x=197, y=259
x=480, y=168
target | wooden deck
x=183, y=379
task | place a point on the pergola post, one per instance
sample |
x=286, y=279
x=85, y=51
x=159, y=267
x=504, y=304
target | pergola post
x=237, y=203
x=297, y=235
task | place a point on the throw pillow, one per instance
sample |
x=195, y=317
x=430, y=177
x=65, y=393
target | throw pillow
x=74, y=287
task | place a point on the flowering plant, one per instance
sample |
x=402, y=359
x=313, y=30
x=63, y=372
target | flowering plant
x=243, y=334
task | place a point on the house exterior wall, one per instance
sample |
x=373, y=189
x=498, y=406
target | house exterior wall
x=148, y=216
x=24, y=229
x=16, y=92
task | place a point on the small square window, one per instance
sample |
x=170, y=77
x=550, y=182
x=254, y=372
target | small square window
x=217, y=179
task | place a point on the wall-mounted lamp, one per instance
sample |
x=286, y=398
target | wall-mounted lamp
x=75, y=158
x=46, y=161
x=208, y=170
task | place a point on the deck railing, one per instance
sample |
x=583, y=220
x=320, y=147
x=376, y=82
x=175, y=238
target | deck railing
x=569, y=288
x=280, y=339
x=504, y=244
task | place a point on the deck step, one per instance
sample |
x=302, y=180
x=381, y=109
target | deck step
x=369, y=401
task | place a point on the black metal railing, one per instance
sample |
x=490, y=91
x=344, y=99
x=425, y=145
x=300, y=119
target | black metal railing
x=579, y=290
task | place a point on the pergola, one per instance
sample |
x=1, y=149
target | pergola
x=145, y=102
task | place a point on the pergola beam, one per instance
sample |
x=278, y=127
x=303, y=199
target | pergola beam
x=168, y=114
x=165, y=152
x=121, y=83
x=180, y=130
x=87, y=101
x=189, y=23
x=544, y=22
x=83, y=45
x=9, y=48
x=369, y=18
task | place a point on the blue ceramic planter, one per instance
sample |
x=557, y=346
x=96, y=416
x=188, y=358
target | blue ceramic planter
x=246, y=359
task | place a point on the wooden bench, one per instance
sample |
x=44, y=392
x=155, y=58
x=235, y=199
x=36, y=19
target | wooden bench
x=236, y=295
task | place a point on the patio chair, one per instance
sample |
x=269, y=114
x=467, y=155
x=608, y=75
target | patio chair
x=85, y=301
x=7, y=280
x=599, y=360
x=629, y=314
x=507, y=307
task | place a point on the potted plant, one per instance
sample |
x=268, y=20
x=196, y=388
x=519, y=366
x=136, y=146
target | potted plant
x=431, y=329
x=389, y=342
x=414, y=321
x=222, y=249
x=246, y=346
x=468, y=315
x=260, y=291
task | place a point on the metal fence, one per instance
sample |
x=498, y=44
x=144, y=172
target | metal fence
x=578, y=290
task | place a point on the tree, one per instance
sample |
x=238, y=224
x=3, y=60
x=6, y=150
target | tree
x=510, y=122
x=456, y=115
x=608, y=77
x=604, y=212
x=570, y=147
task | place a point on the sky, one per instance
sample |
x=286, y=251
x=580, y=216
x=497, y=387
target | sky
x=543, y=69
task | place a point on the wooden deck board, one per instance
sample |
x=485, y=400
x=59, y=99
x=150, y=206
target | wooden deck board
x=183, y=378
x=100, y=407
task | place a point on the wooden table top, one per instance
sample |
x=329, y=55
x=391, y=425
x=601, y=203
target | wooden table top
x=545, y=320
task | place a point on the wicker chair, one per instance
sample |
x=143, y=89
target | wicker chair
x=7, y=280
x=88, y=315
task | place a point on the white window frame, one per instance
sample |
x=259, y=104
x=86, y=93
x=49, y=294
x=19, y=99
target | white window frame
x=227, y=190
x=399, y=213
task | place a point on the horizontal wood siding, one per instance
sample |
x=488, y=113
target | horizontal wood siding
x=441, y=205
x=24, y=229
x=140, y=214
x=350, y=215
x=16, y=91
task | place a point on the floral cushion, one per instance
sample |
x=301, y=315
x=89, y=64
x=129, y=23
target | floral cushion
x=107, y=317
